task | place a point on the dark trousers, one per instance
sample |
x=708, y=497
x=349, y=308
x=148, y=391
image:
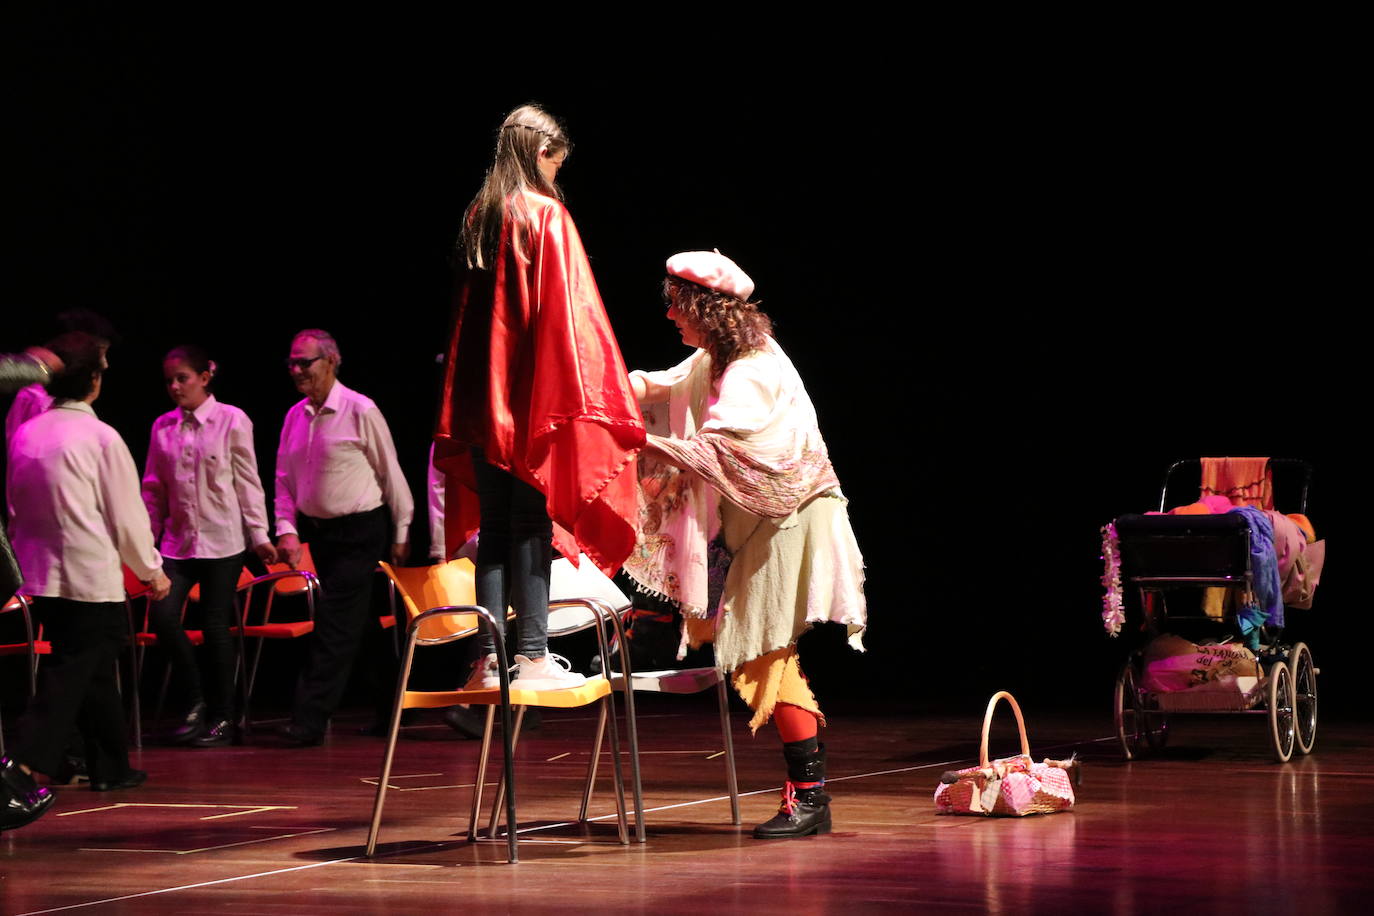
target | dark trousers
x=77, y=687
x=346, y=551
x=514, y=554
x=217, y=580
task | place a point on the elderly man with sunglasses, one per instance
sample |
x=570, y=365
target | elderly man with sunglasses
x=340, y=489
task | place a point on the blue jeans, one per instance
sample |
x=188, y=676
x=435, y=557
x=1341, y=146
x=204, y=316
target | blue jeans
x=514, y=553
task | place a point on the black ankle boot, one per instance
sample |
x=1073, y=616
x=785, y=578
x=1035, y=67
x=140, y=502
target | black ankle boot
x=805, y=803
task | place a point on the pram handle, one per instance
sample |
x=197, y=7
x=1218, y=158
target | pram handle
x=1304, y=465
x=983, y=759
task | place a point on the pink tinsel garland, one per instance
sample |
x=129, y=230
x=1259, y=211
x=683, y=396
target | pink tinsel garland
x=1113, y=611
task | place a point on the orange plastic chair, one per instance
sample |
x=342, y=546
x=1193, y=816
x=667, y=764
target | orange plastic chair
x=280, y=581
x=439, y=606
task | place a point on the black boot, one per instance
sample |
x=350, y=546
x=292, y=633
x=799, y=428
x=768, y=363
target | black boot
x=22, y=800
x=220, y=731
x=193, y=726
x=805, y=804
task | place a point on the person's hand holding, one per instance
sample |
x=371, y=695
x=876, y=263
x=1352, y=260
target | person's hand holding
x=159, y=585
x=266, y=552
x=289, y=550
x=400, y=553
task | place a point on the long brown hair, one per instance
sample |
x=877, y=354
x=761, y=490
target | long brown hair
x=730, y=327
x=514, y=169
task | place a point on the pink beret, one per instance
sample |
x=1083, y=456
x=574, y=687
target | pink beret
x=712, y=270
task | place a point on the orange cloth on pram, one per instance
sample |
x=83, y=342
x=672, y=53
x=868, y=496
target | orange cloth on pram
x=1244, y=481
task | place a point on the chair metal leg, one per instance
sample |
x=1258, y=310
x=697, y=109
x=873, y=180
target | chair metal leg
x=628, y=691
x=394, y=730
x=253, y=671
x=731, y=780
x=622, y=819
x=137, y=714
x=501, y=786
x=241, y=670
x=480, y=781
x=591, y=765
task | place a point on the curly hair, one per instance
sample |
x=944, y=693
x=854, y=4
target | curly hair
x=730, y=327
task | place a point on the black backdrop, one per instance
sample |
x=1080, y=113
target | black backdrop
x=1014, y=296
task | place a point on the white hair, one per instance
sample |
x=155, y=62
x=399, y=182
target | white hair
x=328, y=346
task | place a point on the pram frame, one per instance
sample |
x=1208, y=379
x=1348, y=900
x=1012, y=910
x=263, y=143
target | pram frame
x=1287, y=689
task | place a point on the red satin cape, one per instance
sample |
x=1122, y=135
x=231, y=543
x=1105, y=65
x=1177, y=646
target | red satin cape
x=534, y=377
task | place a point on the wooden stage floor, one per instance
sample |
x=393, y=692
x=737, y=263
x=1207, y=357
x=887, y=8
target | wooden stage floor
x=1210, y=826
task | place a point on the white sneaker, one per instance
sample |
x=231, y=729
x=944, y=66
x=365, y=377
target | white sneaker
x=552, y=672
x=486, y=674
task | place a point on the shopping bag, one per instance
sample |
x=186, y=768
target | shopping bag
x=1010, y=786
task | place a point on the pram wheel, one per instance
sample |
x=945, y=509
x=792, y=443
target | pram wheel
x=1304, y=696
x=1281, y=717
x=1130, y=714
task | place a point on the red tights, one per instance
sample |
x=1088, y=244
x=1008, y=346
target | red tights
x=794, y=723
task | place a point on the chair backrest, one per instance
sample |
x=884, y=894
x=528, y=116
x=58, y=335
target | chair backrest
x=292, y=585
x=132, y=587
x=568, y=583
x=423, y=588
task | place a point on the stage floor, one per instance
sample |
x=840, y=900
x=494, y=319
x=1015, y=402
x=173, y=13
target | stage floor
x=1211, y=825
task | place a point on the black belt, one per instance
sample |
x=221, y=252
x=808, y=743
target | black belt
x=338, y=521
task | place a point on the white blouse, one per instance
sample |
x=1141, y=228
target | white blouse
x=74, y=507
x=201, y=484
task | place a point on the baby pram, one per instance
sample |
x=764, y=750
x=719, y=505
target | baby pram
x=1185, y=592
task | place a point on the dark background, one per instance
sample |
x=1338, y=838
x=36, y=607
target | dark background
x=1016, y=290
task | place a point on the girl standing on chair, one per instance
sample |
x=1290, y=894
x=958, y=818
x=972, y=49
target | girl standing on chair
x=206, y=505
x=538, y=428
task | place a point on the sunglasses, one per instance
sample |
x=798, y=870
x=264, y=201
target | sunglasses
x=301, y=362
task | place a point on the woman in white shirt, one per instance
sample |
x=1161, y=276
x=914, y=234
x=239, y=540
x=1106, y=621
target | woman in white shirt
x=746, y=460
x=74, y=517
x=206, y=505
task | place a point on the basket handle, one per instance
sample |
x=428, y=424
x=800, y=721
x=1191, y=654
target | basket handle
x=983, y=760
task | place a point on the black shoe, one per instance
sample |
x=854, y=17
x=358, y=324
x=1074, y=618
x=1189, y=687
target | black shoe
x=221, y=732
x=297, y=736
x=192, y=727
x=805, y=806
x=70, y=771
x=132, y=780
x=22, y=801
x=466, y=722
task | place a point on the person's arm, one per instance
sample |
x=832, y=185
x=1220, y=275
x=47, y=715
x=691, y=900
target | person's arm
x=127, y=517
x=435, y=485
x=243, y=462
x=153, y=490
x=657, y=387
x=20, y=369
x=381, y=454
x=288, y=543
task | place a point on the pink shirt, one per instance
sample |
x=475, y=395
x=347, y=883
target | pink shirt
x=201, y=483
x=338, y=461
x=74, y=507
x=29, y=402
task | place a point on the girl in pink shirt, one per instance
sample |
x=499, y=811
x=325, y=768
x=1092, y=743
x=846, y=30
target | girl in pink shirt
x=205, y=501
